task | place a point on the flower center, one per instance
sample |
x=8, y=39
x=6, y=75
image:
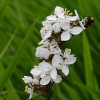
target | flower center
x=48, y=68
x=67, y=50
x=38, y=68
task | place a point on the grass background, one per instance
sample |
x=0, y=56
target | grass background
x=18, y=42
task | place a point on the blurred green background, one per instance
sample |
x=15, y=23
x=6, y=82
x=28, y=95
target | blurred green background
x=18, y=42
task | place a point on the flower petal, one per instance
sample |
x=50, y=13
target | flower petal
x=30, y=91
x=58, y=79
x=43, y=75
x=56, y=60
x=67, y=53
x=65, y=36
x=56, y=27
x=47, y=35
x=35, y=71
x=81, y=24
x=72, y=18
x=77, y=15
x=42, y=52
x=65, y=24
x=44, y=66
x=65, y=70
x=70, y=60
x=76, y=30
x=27, y=79
x=58, y=9
x=51, y=17
x=45, y=80
x=53, y=73
x=36, y=82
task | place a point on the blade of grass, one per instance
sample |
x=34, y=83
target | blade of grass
x=9, y=96
x=9, y=42
x=11, y=67
x=2, y=10
x=9, y=85
x=1, y=98
x=94, y=94
x=89, y=73
x=71, y=92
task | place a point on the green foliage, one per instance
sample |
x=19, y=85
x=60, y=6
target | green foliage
x=16, y=61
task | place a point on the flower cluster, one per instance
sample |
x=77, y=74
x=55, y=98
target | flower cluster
x=57, y=28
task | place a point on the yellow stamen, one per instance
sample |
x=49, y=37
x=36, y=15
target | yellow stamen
x=48, y=68
x=45, y=25
x=67, y=50
x=26, y=87
x=65, y=13
x=85, y=17
x=70, y=14
x=68, y=11
x=38, y=68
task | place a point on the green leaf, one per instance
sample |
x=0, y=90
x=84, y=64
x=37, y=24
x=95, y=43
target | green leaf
x=88, y=65
x=7, y=45
x=95, y=95
x=71, y=92
x=1, y=98
x=11, y=67
x=9, y=85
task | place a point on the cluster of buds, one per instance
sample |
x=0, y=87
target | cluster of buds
x=57, y=28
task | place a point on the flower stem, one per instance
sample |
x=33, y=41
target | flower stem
x=49, y=91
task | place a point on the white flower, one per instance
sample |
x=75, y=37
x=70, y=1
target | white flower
x=47, y=78
x=30, y=91
x=58, y=62
x=45, y=33
x=45, y=66
x=70, y=59
x=28, y=79
x=35, y=71
x=50, y=74
x=65, y=69
x=47, y=25
x=56, y=27
x=42, y=53
x=51, y=18
x=81, y=24
x=54, y=48
x=66, y=34
x=72, y=18
x=59, y=11
x=46, y=30
x=77, y=15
